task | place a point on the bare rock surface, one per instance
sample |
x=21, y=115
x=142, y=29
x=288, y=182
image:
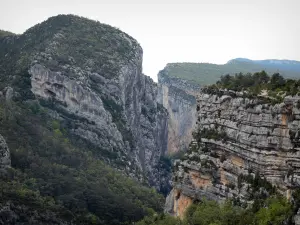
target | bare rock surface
x=237, y=138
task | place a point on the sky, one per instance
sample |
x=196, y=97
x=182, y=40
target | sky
x=213, y=31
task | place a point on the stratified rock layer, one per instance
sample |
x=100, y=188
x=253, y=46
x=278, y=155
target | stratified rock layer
x=237, y=137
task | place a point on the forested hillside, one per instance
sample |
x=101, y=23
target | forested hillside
x=208, y=73
x=76, y=158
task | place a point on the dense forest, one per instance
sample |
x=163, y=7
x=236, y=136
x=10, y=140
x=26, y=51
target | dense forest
x=52, y=180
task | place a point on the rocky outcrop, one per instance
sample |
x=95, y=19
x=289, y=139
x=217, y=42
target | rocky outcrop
x=178, y=97
x=4, y=154
x=140, y=140
x=242, y=146
x=297, y=218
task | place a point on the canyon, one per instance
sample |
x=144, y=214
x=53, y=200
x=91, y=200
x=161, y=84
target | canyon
x=86, y=116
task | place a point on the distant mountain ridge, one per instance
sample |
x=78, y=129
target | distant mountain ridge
x=4, y=33
x=267, y=61
x=281, y=64
x=208, y=73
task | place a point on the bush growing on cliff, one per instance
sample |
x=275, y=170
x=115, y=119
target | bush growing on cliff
x=253, y=84
x=210, y=134
x=276, y=211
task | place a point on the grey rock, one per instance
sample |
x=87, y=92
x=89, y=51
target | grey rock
x=5, y=161
x=9, y=93
x=104, y=103
x=178, y=97
x=297, y=218
x=260, y=137
x=169, y=206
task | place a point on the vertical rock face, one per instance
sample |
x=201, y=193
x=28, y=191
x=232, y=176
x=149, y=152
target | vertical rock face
x=4, y=154
x=178, y=97
x=238, y=140
x=136, y=129
x=89, y=76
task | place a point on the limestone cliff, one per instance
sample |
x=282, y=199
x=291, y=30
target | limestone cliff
x=178, y=97
x=89, y=77
x=238, y=142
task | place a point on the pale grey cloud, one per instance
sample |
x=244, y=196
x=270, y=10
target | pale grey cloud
x=176, y=31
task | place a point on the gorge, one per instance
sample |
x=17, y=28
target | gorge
x=87, y=138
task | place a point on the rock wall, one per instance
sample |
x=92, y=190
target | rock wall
x=178, y=97
x=238, y=140
x=131, y=124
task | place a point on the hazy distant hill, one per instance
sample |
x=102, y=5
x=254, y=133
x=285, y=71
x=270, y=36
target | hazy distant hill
x=207, y=73
x=4, y=33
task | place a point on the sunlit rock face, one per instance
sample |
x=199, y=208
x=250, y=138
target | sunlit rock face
x=178, y=97
x=236, y=138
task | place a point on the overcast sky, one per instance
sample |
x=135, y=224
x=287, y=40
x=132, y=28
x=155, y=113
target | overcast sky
x=212, y=31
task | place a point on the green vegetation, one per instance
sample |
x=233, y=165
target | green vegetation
x=240, y=82
x=256, y=183
x=255, y=83
x=78, y=48
x=50, y=175
x=210, y=134
x=207, y=73
x=272, y=88
x=4, y=33
x=275, y=210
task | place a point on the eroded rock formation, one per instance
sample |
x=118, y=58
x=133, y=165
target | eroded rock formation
x=238, y=140
x=121, y=115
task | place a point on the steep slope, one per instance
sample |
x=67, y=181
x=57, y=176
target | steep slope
x=178, y=97
x=243, y=148
x=90, y=76
x=79, y=118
